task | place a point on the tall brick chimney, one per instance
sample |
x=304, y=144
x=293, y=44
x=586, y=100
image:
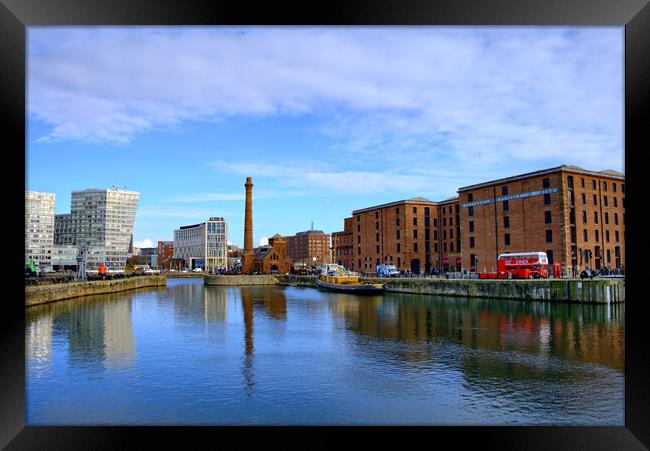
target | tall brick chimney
x=248, y=255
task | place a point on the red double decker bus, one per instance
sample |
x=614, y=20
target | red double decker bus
x=528, y=265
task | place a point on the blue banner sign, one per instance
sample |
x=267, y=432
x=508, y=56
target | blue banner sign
x=512, y=196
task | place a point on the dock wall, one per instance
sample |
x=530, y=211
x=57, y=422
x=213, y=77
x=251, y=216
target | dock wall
x=563, y=290
x=242, y=280
x=42, y=294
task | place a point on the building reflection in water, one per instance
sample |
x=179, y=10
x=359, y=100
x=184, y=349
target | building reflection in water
x=193, y=301
x=274, y=304
x=215, y=305
x=577, y=332
x=98, y=329
x=119, y=343
x=38, y=341
x=189, y=302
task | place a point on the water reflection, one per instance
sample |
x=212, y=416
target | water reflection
x=589, y=333
x=97, y=329
x=215, y=308
x=268, y=300
x=243, y=355
x=119, y=343
x=38, y=342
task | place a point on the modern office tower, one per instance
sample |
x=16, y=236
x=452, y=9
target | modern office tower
x=102, y=220
x=63, y=229
x=39, y=228
x=203, y=245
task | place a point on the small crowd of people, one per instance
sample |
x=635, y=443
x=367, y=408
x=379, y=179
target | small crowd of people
x=603, y=271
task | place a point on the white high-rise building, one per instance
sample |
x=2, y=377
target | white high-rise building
x=102, y=224
x=63, y=229
x=203, y=245
x=39, y=228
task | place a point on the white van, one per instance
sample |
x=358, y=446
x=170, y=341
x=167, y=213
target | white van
x=387, y=271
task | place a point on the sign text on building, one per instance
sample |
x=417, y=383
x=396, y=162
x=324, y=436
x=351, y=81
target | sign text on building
x=512, y=196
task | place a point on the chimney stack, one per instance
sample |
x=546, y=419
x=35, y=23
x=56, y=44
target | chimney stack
x=248, y=255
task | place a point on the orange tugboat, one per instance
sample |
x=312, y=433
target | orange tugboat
x=337, y=278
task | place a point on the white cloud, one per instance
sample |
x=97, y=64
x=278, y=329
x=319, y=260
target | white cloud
x=144, y=243
x=299, y=180
x=263, y=241
x=477, y=96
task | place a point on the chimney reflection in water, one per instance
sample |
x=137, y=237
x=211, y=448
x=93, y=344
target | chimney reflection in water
x=247, y=303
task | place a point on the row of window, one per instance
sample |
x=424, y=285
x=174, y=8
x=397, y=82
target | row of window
x=548, y=219
x=595, y=200
x=546, y=183
x=398, y=247
x=549, y=237
x=506, y=239
x=585, y=236
x=427, y=211
x=593, y=184
x=506, y=221
x=415, y=222
x=606, y=218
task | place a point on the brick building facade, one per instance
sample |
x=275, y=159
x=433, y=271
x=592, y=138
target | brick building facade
x=416, y=235
x=563, y=211
x=272, y=257
x=447, y=236
x=309, y=248
x=165, y=254
x=342, y=250
x=576, y=216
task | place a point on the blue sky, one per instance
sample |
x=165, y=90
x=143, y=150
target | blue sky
x=326, y=120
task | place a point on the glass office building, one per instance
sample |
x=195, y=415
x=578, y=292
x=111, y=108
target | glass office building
x=203, y=245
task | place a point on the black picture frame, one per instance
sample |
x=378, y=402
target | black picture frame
x=16, y=15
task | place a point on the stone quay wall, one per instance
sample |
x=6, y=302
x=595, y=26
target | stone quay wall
x=298, y=281
x=241, y=280
x=42, y=294
x=184, y=275
x=561, y=290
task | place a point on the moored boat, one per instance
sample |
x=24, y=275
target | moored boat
x=336, y=278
